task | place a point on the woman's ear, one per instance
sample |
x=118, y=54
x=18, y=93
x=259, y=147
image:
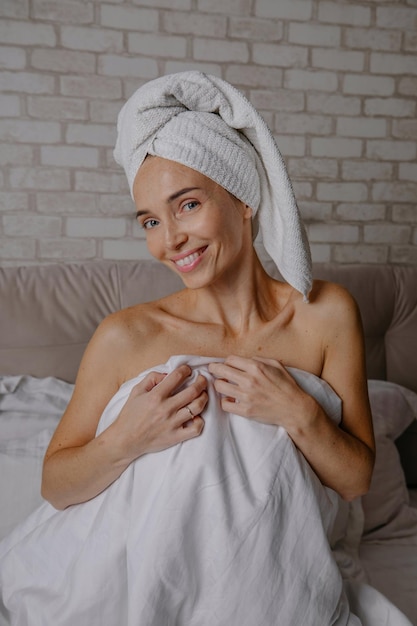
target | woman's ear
x=248, y=212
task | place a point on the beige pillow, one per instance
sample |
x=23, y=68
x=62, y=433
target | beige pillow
x=386, y=506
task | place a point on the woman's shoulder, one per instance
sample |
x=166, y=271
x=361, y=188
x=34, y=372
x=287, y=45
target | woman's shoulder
x=132, y=321
x=139, y=323
x=330, y=308
x=123, y=340
x=328, y=294
x=333, y=305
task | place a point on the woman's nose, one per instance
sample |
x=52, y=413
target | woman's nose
x=175, y=235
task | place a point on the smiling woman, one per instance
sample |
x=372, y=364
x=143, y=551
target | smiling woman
x=193, y=222
x=213, y=433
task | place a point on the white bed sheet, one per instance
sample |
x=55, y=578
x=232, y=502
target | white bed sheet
x=35, y=426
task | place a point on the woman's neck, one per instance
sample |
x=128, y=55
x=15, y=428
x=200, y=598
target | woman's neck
x=240, y=302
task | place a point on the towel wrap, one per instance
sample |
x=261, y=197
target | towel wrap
x=208, y=125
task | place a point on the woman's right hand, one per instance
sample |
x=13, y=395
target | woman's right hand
x=160, y=412
x=79, y=465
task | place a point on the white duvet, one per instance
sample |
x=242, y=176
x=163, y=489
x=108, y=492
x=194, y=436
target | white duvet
x=230, y=528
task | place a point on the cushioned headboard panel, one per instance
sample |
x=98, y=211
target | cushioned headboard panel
x=387, y=298
x=49, y=313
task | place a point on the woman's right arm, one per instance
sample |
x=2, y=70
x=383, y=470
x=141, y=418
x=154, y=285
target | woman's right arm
x=78, y=465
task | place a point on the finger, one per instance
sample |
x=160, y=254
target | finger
x=150, y=381
x=189, y=393
x=194, y=408
x=173, y=380
x=225, y=388
x=274, y=370
x=238, y=362
x=187, y=413
x=232, y=406
x=274, y=362
x=192, y=428
x=227, y=372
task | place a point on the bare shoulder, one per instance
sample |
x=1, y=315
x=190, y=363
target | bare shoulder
x=340, y=329
x=330, y=324
x=120, y=334
x=325, y=292
x=333, y=305
x=120, y=327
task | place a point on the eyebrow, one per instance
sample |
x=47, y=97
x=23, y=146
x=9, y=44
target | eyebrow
x=171, y=198
x=179, y=193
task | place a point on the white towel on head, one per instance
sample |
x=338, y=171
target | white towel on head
x=248, y=162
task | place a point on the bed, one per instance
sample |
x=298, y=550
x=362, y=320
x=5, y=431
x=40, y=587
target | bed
x=48, y=313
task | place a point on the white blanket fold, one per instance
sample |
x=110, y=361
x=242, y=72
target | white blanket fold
x=229, y=528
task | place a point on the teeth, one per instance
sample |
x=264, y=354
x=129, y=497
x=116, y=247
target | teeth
x=188, y=259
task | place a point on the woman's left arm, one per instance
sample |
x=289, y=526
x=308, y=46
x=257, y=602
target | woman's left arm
x=262, y=389
x=344, y=369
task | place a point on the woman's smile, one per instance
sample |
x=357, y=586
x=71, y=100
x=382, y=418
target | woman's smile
x=187, y=261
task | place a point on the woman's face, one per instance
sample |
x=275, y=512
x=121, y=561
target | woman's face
x=192, y=224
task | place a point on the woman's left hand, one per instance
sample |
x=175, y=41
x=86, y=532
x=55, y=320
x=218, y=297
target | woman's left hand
x=260, y=389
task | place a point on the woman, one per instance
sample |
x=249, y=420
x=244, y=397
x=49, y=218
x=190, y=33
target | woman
x=230, y=308
x=205, y=174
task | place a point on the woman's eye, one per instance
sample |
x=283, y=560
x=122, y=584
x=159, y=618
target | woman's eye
x=189, y=206
x=148, y=224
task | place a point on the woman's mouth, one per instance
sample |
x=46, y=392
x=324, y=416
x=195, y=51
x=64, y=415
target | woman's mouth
x=187, y=262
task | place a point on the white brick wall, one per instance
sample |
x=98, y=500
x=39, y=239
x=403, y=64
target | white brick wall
x=336, y=80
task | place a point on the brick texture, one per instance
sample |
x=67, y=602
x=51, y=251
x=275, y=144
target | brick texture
x=335, y=80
